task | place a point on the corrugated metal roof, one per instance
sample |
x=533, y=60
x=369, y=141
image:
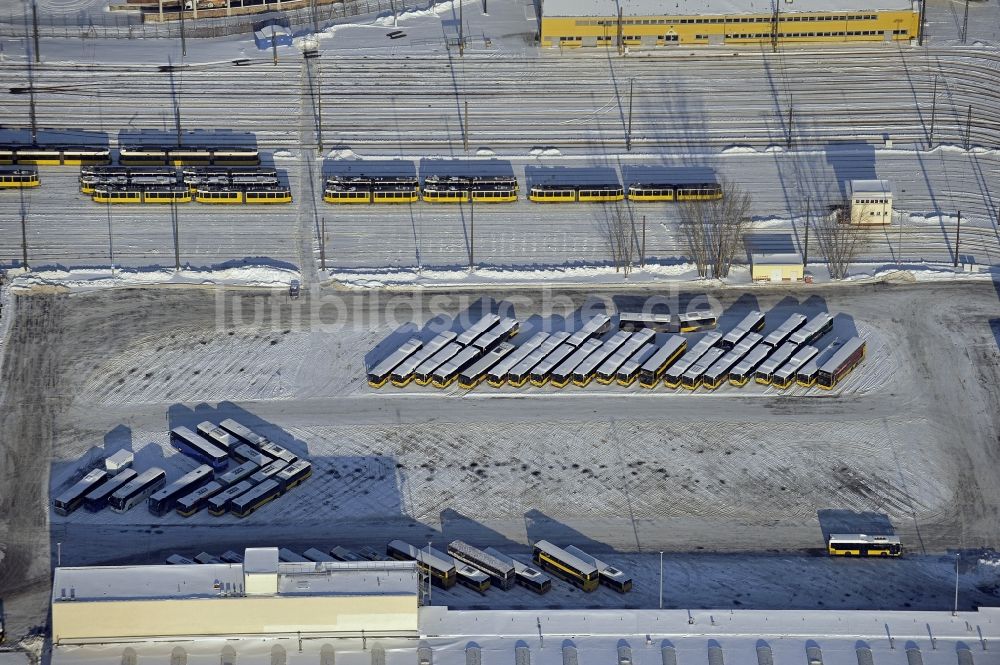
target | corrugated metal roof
x=710, y=7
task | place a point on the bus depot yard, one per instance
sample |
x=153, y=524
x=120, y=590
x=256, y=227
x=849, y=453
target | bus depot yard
x=481, y=353
x=738, y=487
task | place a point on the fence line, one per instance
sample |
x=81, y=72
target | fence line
x=115, y=25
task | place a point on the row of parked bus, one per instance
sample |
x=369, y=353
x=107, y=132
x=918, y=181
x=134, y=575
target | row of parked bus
x=261, y=472
x=164, y=184
x=484, y=352
x=501, y=189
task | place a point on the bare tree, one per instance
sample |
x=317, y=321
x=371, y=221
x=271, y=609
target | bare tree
x=839, y=239
x=619, y=232
x=714, y=229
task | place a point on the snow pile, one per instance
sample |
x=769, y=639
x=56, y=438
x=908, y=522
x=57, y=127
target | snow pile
x=545, y=152
x=436, y=9
x=485, y=152
x=283, y=154
x=248, y=275
x=738, y=150
x=345, y=153
x=462, y=277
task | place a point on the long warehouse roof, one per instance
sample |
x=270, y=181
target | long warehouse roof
x=568, y=8
x=222, y=579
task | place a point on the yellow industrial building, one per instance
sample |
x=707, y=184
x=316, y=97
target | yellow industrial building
x=257, y=597
x=765, y=267
x=650, y=23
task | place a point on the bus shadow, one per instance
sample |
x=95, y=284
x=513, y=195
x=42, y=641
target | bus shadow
x=371, y=168
x=836, y=520
x=674, y=175
x=539, y=526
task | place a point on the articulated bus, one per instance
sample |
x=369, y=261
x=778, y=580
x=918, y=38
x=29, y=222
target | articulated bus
x=219, y=503
x=518, y=373
x=566, y=193
x=608, y=369
x=268, y=472
x=442, y=571
x=840, y=365
x=647, y=321
x=695, y=374
x=198, y=499
x=288, y=556
x=697, y=321
x=498, y=334
x=477, y=329
x=247, y=453
x=744, y=370
x=806, y=375
x=402, y=374
x=425, y=373
x=343, y=554
x=465, y=574
x=447, y=374
x=717, y=374
x=318, y=556
x=164, y=500
x=564, y=565
x=261, y=443
x=496, y=374
x=752, y=322
x=378, y=376
x=859, y=544
x=475, y=374
x=784, y=376
x=256, y=497
x=652, y=370
x=594, y=327
x=198, y=448
x=672, y=377
x=609, y=576
x=765, y=371
x=238, y=473
x=137, y=490
x=501, y=572
x=780, y=335
x=97, y=499
x=73, y=498
x=293, y=475
x=629, y=371
x=585, y=371
x=813, y=330
x=542, y=372
x=563, y=373
x=526, y=576
x=217, y=435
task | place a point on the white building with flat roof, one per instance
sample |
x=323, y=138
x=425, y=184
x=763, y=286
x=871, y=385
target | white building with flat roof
x=258, y=597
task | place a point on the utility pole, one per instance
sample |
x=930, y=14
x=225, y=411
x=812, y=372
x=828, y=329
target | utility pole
x=472, y=235
x=899, y=243
x=184, y=48
x=791, y=109
x=968, y=129
x=661, y=579
x=38, y=55
x=920, y=27
x=465, y=130
x=958, y=236
x=176, y=224
x=933, y=110
x=805, y=249
x=642, y=254
x=965, y=23
x=322, y=243
x=24, y=232
x=315, y=16
x=954, y=612
x=274, y=46
x=774, y=27
x=621, y=38
x=319, y=106
x=628, y=132
x=111, y=243
x=461, y=30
